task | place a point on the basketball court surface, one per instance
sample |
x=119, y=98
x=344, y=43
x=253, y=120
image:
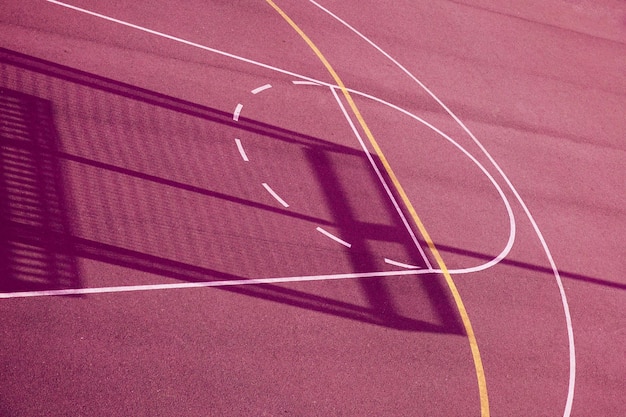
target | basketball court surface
x=302, y=208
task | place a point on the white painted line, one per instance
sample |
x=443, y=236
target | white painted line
x=276, y=196
x=333, y=86
x=566, y=311
x=186, y=42
x=237, y=112
x=225, y=283
x=572, y=355
x=512, y=225
x=304, y=82
x=333, y=237
x=400, y=264
x=241, y=151
x=382, y=180
x=261, y=88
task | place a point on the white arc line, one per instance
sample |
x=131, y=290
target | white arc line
x=570, y=395
x=568, y=319
x=512, y=226
x=333, y=237
x=242, y=152
x=400, y=264
x=261, y=88
x=237, y=112
x=276, y=196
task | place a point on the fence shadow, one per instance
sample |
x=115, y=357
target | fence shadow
x=40, y=246
x=33, y=215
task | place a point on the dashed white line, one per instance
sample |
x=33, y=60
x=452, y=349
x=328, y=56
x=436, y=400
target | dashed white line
x=568, y=320
x=400, y=264
x=333, y=237
x=242, y=152
x=261, y=88
x=276, y=196
x=382, y=179
x=237, y=112
x=302, y=82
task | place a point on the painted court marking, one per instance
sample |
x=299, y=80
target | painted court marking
x=568, y=320
x=400, y=264
x=261, y=88
x=237, y=112
x=310, y=81
x=333, y=237
x=242, y=152
x=467, y=325
x=207, y=284
x=570, y=395
x=382, y=180
x=276, y=196
x=304, y=82
x=374, y=166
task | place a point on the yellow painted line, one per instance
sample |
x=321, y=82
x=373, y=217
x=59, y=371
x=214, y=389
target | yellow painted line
x=478, y=365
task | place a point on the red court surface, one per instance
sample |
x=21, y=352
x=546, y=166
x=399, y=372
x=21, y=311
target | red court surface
x=330, y=208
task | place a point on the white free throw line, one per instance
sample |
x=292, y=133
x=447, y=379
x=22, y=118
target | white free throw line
x=242, y=152
x=276, y=196
x=333, y=237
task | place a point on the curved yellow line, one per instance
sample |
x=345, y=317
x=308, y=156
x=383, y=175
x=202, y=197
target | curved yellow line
x=478, y=365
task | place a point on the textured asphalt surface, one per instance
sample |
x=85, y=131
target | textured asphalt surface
x=120, y=170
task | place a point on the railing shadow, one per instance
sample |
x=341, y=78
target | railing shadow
x=52, y=238
x=40, y=250
x=33, y=214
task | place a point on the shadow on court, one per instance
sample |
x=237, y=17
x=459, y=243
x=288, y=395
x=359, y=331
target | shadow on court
x=36, y=250
x=40, y=244
x=46, y=235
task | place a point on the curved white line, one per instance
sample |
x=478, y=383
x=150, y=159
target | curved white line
x=242, y=151
x=333, y=237
x=568, y=319
x=282, y=71
x=261, y=88
x=237, y=112
x=512, y=224
x=570, y=332
x=276, y=196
